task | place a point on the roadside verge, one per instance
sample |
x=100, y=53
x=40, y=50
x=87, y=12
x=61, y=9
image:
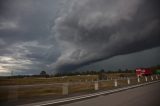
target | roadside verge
x=72, y=99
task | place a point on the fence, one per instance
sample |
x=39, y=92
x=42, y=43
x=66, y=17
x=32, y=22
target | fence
x=57, y=90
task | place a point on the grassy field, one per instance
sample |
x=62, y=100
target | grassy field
x=15, y=88
x=18, y=88
x=41, y=80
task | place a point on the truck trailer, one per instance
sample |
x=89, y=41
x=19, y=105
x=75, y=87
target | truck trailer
x=143, y=72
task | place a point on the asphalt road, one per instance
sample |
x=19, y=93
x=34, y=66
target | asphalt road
x=148, y=95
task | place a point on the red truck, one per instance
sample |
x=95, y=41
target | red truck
x=143, y=72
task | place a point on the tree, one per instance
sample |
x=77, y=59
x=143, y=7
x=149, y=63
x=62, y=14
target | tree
x=43, y=73
x=102, y=71
x=119, y=71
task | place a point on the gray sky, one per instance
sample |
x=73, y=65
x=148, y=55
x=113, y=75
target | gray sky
x=66, y=35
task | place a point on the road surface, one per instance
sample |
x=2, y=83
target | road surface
x=148, y=95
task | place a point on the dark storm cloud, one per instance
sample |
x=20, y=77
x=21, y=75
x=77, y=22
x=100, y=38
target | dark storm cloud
x=25, y=34
x=94, y=30
x=63, y=35
x=24, y=20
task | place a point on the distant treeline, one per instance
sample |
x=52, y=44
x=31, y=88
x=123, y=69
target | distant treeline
x=102, y=71
x=92, y=72
x=59, y=74
x=153, y=68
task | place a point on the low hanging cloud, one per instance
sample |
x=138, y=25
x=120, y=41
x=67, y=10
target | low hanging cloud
x=95, y=30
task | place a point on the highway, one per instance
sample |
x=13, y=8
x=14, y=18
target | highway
x=148, y=95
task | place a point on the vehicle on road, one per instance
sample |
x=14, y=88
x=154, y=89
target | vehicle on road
x=143, y=72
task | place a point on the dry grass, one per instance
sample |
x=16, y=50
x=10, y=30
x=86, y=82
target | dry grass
x=77, y=84
x=14, y=92
x=106, y=84
x=81, y=87
x=34, y=80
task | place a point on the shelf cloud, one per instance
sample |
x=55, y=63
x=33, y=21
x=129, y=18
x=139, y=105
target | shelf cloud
x=95, y=30
x=65, y=35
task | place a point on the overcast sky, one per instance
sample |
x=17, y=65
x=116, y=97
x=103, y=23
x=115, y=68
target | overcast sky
x=68, y=35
